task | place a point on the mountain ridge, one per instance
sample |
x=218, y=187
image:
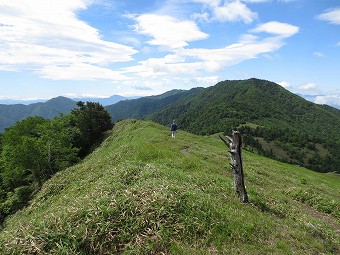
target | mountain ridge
x=143, y=192
x=141, y=107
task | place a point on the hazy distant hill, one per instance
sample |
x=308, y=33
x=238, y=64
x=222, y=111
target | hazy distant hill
x=277, y=122
x=10, y=114
x=141, y=107
x=104, y=101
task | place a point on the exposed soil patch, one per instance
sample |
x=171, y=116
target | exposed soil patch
x=185, y=151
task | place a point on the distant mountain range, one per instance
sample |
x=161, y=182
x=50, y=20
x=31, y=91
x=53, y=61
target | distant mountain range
x=10, y=114
x=103, y=101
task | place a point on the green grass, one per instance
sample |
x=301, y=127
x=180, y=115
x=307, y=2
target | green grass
x=143, y=192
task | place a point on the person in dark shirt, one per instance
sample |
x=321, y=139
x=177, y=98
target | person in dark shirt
x=173, y=129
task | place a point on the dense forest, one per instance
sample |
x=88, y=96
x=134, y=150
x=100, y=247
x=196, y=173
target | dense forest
x=35, y=149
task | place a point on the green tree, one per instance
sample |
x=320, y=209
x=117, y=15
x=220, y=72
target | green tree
x=22, y=161
x=92, y=120
x=57, y=142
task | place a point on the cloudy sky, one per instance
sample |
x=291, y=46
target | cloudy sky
x=99, y=48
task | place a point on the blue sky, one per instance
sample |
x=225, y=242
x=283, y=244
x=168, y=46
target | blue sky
x=99, y=48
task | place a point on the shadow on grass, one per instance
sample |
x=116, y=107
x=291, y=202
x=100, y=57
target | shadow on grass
x=263, y=207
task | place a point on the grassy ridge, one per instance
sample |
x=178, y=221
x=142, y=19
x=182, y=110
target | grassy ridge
x=143, y=192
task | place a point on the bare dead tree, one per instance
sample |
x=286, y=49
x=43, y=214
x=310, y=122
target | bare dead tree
x=235, y=144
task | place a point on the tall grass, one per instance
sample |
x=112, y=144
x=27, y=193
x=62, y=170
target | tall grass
x=143, y=192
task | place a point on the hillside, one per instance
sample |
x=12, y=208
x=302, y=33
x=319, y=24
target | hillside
x=10, y=114
x=143, y=192
x=276, y=122
x=141, y=107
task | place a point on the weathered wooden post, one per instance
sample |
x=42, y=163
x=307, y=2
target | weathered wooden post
x=235, y=145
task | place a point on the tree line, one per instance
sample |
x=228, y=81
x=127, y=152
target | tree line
x=35, y=149
x=300, y=147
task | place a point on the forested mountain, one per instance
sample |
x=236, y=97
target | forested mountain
x=274, y=121
x=141, y=107
x=10, y=114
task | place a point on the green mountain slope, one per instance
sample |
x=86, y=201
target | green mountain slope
x=10, y=114
x=143, y=192
x=306, y=133
x=141, y=107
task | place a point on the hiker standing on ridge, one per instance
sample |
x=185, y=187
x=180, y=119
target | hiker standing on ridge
x=173, y=129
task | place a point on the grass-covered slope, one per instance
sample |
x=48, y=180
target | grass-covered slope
x=143, y=192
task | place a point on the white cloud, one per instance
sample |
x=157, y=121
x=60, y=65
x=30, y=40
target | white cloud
x=190, y=61
x=88, y=95
x=80, y=71
x=234, y=11
x=208, y=80
x=284, y=84
x=333, y=100
x=147, y=86
x=163, y=66
x=46, y=36
x=227, y=11
x=208, y=2
x=235, y=53
x=256, y=1
x=277, y=28
x=201, y=16
x=129, y=40
x=331, y=15
x=308, y=87
x=318, y=54
x=193, y=60
x=168, y=31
